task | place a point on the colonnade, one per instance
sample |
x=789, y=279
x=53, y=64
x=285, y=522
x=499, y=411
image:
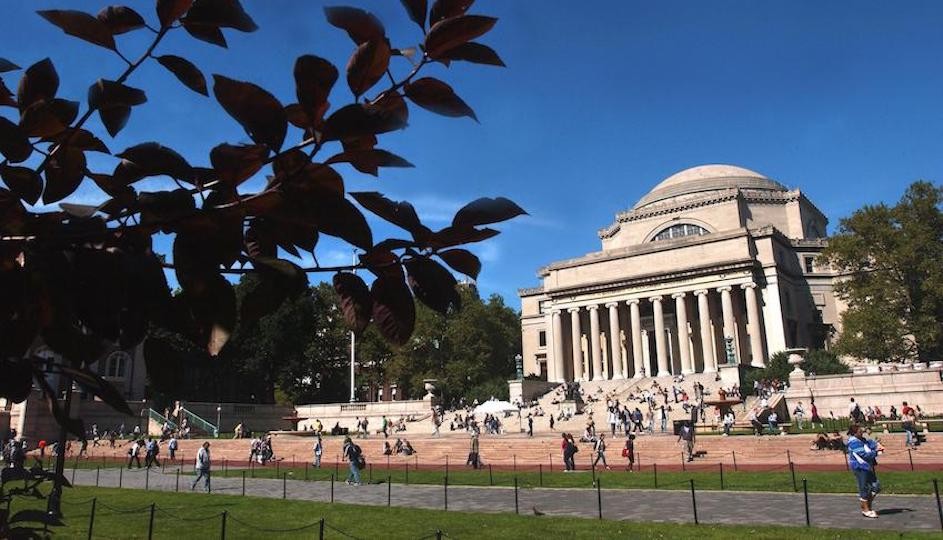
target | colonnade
x=612, y=350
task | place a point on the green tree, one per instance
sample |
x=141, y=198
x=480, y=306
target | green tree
x=891, y=258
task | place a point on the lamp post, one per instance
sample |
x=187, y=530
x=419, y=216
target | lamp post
x=219, y=409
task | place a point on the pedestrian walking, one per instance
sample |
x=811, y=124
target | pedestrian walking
x=569, y=449
x=862, y=460
x=686, y=434
x=600, y=451
x=628, y=452
x=354, y=457
x=172, y=448
x=318, y=451
x=202, y=467
x=133, y=451
x=814, y=418
x=530, y=425
x=473, y=458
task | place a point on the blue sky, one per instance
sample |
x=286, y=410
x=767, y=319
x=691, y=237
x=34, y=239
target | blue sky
x=600, y=101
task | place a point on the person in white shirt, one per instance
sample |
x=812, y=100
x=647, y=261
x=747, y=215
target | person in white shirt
x=202, y=466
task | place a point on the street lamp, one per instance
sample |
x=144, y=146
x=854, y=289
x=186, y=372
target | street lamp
x=519, y=365
x=219, y=409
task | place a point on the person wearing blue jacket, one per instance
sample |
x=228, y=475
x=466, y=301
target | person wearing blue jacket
x=862, y=460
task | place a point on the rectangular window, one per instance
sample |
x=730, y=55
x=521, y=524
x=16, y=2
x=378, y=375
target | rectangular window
x=542, y=338
x=808, y=264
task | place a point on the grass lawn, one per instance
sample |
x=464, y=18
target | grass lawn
x=125, y=514
x=894, y=482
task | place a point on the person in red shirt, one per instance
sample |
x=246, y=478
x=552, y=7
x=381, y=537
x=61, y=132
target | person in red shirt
x=909, y=417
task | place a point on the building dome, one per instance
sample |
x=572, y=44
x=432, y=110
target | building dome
x=707, y=178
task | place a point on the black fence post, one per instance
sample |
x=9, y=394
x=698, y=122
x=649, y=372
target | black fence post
x=177, y=485
x=446, y=466
x=734, y=453
x=306, y=471
x=407, y=473
x=98, y=471
x=541, y=474
x=939, y=509
x=792, y=471
x=694, y=502
x=243, y=483
x=910, y=455
x=721, y=465
x=599, y=496
x=120, y=475
x=389, y=489
x=150, y=523
x=222, y=530
x=147, y=478
x=805, y=493
x=490, y=476
x=515, y=462
x=284, y=485
x=445, y=492
x=332, y=488
x=91, y=518
x=655, y=470
x=321, y=529
x=225, y=466
x=551, y=462
x=516, y=509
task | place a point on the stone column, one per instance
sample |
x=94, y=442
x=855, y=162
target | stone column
x=614, y=340
x=684, y=349
x=595, y=350
x=558, y=374
x=753, y=325
x=727, y=305
x=661, y=348
x=575, y=334
x=707, y=341
x=636, y=337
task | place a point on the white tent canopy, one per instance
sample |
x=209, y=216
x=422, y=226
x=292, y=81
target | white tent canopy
x=494, y=406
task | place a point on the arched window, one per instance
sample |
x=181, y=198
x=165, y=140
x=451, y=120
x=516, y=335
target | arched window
x=679, y=230
x=116, y=364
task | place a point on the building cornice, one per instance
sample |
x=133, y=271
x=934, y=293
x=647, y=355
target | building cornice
x=530, y=291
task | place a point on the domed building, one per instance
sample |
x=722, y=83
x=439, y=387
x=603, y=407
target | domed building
x=712, y=268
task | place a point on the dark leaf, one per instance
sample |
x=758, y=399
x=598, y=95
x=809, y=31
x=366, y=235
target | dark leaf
x=395, y=243
x=165, y=206
x=81, y=25
x=394, y=311
x=121, y=19
x=254, y=108
x=14, y=144
x=462, y=260
x=168, y=11
x=382, y=263
x=38, y=516
x=6, y=96
x=49, y=118
x=203, y=32
x=367, y=65
x=446, y=9
x=417, y=11
x=449, y=33
x=114, y=101
x=39, y=82
x=432, y=284
x=358, y=120
x=185, y=72
x=314, y=78
x=81, y=139
x=473, y=52
x=6, y=65
x=17, y=380
x=313, y=182
x=486, y=210
x=25, y=182
x=401, y=214
x=339, y=217
x=93, y=383
x=355, y=300
x=438, y=97
x=221, y=14
x=278, y=280
x=360, y=25
x=235, y=164
x=64, y=172
x=368, y=161
x=453, y=236
x=151, y=159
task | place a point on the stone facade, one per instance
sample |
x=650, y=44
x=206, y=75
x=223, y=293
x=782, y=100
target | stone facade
x=714, y=258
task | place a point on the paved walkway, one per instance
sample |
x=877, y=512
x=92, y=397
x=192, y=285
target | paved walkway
x=898, y=512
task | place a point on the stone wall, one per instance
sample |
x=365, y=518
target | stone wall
x=345, y=414
x=883, y=389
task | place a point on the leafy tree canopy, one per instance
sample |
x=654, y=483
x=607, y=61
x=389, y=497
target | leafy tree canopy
x=816, y=361
x=891, y=258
